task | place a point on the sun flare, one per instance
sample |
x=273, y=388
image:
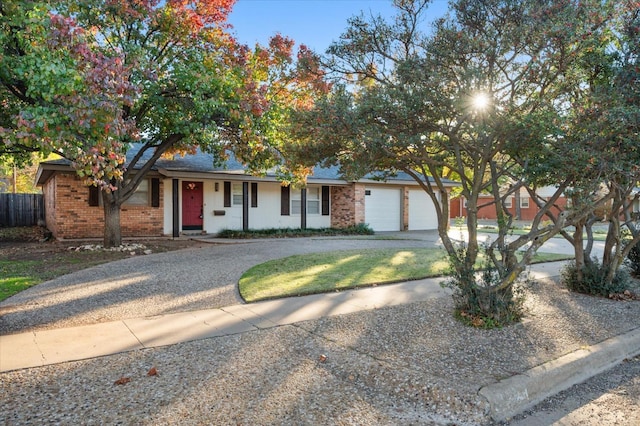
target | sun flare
x=480, y=101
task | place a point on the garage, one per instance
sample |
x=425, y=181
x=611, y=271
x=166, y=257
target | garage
x=422, y=212
x=382, y=208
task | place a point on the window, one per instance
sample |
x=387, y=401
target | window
x=524, y=202
x=147, y=194
x=94, y=196
x=313, y=201
x=296, y=202
x=508, y=203
x=237, y=194
x=141, y=196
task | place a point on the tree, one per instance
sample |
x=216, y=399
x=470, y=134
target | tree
x=89, y=79
x=19, y=179
x=481, y=98
x=606, y=122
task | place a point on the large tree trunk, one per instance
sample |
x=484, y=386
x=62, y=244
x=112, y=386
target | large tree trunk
x=614, y=253
x=578, y=248
x=112, y=232
x=472, y=229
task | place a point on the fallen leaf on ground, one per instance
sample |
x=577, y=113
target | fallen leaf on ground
x=122, y=381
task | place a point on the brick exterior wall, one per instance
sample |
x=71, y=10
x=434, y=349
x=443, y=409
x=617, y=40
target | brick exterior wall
x=347, y=205
x=69, y=215
x=489, y=212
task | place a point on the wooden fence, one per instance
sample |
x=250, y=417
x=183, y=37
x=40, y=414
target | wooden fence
x=21, y=209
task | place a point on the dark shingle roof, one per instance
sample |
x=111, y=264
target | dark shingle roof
x=202, y=162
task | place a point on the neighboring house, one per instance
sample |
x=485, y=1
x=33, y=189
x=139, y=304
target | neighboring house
x=188, y=194
x=528, y=208
x=635, y=201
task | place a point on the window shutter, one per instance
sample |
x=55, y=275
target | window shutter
x=227, y=194
x=254, y=194
x=285, y=193
x=325, y=201
x=155, y=192
x=94, y=196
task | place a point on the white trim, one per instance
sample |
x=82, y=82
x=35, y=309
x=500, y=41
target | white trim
x=508, y=202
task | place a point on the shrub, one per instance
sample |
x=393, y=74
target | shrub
x=478, y=300
x=594, y=279
x=361, y=229
x=633, y=260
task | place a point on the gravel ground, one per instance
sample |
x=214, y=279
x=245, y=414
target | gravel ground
x=408, y=364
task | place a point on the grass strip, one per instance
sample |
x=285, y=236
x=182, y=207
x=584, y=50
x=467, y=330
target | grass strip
x=340, y=270
x=16, y=276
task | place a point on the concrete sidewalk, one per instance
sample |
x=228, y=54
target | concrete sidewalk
x=506, y=398
x=39, y=348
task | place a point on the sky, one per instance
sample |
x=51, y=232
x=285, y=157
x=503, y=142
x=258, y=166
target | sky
x=315, y=23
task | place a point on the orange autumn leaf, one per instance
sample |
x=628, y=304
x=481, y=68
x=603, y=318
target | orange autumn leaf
x=122, y=381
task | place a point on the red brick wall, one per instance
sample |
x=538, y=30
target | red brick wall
x=69, y=215
x=489, y=212
x=347, y=205
x=454, y=208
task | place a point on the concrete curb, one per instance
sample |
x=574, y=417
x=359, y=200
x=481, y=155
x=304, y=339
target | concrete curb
x=518, y=393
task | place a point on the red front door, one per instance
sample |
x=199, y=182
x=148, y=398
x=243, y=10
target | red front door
x=192, y=205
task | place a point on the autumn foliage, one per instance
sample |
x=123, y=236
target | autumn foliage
x=88, y=79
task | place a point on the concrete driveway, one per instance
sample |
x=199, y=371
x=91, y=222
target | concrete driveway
x=185, y=280
x=557, y=244
x=158, y=284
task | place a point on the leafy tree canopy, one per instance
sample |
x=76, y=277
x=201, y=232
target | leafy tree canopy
x=485, y=95
x=87, y=79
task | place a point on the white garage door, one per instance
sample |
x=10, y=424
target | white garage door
x=382, y=208
x=422, y=213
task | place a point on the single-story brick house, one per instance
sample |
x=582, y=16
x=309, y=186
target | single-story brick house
x=188, y=194
x=528, y=208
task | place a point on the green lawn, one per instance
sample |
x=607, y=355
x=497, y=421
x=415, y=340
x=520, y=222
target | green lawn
x=16, y=276
x=296, y=275
x=338, y=270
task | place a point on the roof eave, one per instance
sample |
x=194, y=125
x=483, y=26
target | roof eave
x=239, y=175
x=46, y=170
x=408, y=182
